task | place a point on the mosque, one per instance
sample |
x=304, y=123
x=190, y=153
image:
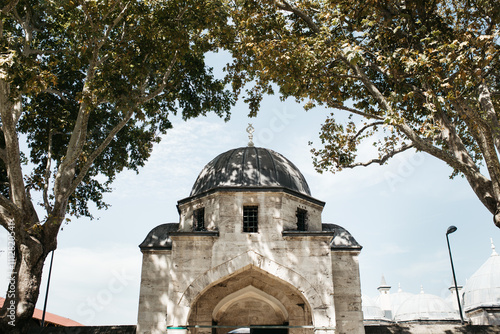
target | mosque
x=250, y=250
x=479, y=301
x=251, y=254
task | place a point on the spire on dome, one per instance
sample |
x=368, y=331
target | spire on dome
x=422, y=289
x=494, y=253
x=399, y=288
x=250, y=131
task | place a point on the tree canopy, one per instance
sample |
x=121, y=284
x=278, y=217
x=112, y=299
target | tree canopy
x=411, y=74
x=90, y=86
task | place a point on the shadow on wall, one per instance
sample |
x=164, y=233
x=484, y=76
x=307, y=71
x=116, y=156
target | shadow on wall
x=393, y=329
x=129, y=329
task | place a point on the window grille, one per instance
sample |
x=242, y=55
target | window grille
x=250, y=219
x=199, y=219
x=301, y=219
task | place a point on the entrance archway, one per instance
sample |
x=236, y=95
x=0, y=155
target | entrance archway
x=252, y=297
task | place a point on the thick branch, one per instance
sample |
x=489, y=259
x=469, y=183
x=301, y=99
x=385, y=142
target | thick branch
x=479, y=127
x=4, y=218
x=10, y=111
x=449, y=134
x=8, y=7
x=489, y=111
x=62, y=198
x=10, y=207
x=47, y=173
x=89, y=162
x=3, y=155
x=283, y=5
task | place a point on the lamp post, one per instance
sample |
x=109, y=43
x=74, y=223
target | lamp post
x=47, y=292
x=450, y=230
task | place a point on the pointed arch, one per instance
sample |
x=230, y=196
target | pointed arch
x=246, y=293
x=253, y=261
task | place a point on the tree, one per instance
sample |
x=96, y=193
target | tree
x=411, y=74
x=90, y=85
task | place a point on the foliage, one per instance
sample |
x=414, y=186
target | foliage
x=415, y=74
x=90, y=85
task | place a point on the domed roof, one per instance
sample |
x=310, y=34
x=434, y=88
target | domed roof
x=425, y=307
x=398, y=298
x=250, y=167
x=371, y=311
x=159, y=237
x=483, y=288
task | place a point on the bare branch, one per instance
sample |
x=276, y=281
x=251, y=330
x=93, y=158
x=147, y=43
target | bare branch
x=162, y=86
x=87, y=14
x=111, y=26
x=56, y=92
x=366, y=127
x=381, y=160
x=354, y=111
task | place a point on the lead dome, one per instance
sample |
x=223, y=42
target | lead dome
x=483, y=288
x=253, y=167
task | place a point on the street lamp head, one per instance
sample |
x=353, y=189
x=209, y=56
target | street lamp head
x=451, y=229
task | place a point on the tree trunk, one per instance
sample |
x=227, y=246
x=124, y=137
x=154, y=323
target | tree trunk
x=24, y=286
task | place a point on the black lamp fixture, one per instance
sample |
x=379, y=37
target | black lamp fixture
x=450, y=230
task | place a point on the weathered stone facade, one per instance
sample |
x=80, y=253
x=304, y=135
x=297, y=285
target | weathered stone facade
x=209, y=275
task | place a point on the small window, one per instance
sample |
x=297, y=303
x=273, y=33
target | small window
x=301, y=219
x=199, y=219
x=250, y=220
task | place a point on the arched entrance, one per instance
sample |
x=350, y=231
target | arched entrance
x=252, y=297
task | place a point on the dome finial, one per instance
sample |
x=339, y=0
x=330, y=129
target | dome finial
x=250, y=131
x=494, y=253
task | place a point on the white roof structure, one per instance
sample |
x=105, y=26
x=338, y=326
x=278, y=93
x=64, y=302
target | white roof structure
x=483, y=288
x=425, y=307
x=399, y=298
x=371, y=311
x=479, y=300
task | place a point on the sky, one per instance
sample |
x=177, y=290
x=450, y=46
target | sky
x=398, y=212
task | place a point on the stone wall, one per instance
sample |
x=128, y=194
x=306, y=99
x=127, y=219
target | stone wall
x=155, y=278
x=347, y=292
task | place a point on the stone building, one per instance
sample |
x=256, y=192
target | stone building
x=250, y=250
